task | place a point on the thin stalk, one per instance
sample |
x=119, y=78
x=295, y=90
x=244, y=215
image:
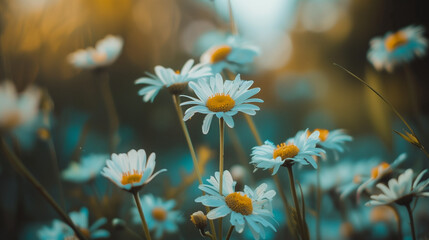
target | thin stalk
x=54, y=161
x=228, y=235
x=398, y=220
x=234, y=30
x=139, y=207
x=295, y=198
x=318, y=202
x=253, y=128
x=176, y=101
x=20, y=168
x=410, y=214
x=221, y=153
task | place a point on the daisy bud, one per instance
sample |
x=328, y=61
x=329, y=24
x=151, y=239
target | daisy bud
x=199, y=219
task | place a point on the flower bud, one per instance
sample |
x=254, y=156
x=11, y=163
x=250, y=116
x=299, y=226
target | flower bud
x=199, y=219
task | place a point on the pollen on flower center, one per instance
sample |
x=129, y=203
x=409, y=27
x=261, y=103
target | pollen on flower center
x=323, y=134
x=376, y=171
x=220, y=53
x=239, y=203
x=395, y=40
x=285, y=151
x=220, y=103
x=159, y=214
x=129, y=177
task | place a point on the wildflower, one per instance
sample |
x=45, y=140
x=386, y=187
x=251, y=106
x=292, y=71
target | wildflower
x=401, y=191
x=60, y=230
x=131, y=171
x=397, y=48
x=251, y=207
x=17, y=109
x=299, y=149
x=86, y=170
x=175, y=81
x=106, y=51
x=159, y=215
x=199, y=219
x=223, y=99
x=232, y=55
x=333, y=140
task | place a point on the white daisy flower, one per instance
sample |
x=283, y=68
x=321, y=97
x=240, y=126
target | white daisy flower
x=223, y=99
x=299, y=149
x=333, y=140
x=159, y=215
x=397, y=48
x=131, y=171
x=88, y=168
x=251, y=207
x=401, y=191
x=106, y=51
x=175, y=81
x=379, y=172
x=17, y=109
x=232, y=55
x=60, y=230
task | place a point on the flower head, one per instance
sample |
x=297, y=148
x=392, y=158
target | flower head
x=251, y=207
x=106, y=51
x=17, y=109
x=397, y=48
x=199, y=219
x=232, y=55
x=60, y=230
x=223, y=99
x=333, y=140
x=299, y=149
x=401, y=191
x=131, y=171
x=159, y=215
x=87, y=169
x=175, y=81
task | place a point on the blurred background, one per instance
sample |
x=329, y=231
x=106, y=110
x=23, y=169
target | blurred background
x=301, y=88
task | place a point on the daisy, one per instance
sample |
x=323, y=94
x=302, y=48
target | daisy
x=17, y=109
x=131, y=171
x=175, y=81
x=401, y=191
x=89, y=167
x=223, y=99
x=106, y=51
x=251, y=207
x=232, y=55
x=159, y=215
x=60, y=230
x=299, y=149
x=397, y=48
x=379, y=172
x=333, y=140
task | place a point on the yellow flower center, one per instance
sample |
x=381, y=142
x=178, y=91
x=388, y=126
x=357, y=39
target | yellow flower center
x=395, y=40
x=159, y=214
x=285, y=151
x=376, y=171
x=177, y=71
x=239, y=203
x=220, y=53
x=220, y=102
x=129, y=177
x=323, y=134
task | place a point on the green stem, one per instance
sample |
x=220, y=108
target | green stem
x=295, y=199
x=221, y=153
x=398, y=220
x=20, y=168
x=318, y=203
x=228, y=235
x=253, y=128
x=139, y=207
x=410, y=214
x=234, y=30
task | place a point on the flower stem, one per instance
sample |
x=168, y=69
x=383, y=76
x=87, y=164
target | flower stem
x=398, y=220
x=410, y=214
x=20, y=168
x=318, y=202
x=253, y=128
x=295, y=200
x=139, y=207
x=176, y=101
x=228, y=235
x=221, y=152
x=234, y=30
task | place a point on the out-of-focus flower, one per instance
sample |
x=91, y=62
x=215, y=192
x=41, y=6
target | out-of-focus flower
x=175, y=81
x=17, y=109
x=60, y=230
x=251, y=207
x=159, y=215
x=397, y=48
x=299, y=149
x=199, y=219
x=401, y=191
x=131, y=171
x=333, y=140
x=379, y=172
x=223, y=99
x=106, y=51
x=87, y=169
x=231, y=55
